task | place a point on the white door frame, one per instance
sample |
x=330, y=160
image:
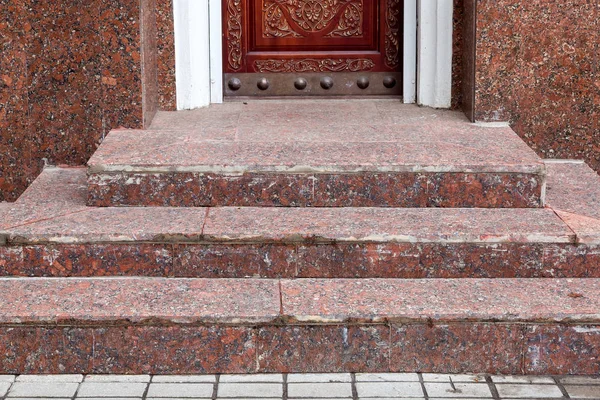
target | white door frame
x=427, y=56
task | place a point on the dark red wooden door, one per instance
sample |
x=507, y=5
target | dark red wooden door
x=312, y=47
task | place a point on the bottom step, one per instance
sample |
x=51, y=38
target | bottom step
x=191, y=326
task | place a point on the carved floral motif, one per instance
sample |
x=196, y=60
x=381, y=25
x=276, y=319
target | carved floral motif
x=311, y=16
x=314, y=65
x=392, y=31
x=234, y=34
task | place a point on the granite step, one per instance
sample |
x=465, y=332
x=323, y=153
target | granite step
x=194, y=326
x=316, y=154
x=50, y=231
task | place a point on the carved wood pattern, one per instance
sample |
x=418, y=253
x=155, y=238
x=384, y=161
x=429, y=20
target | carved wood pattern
x=314, y=65
x=300, y=18
x=392, y=33
x=234, y=34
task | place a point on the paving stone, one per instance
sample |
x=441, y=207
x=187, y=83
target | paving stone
x=528, y=391
x=580, y=380
x=75, y=378
x=4, y=386
x=583, y=392
x=228, y=390
x=459, y=391
x=184, y=378
x=238, y=378
x=7, y=378
x=181, y=390
x=453, y=377
x=112, y=389
x=42, y=389
x=389, y=389
x=522, y=379
x=387, y=377
x=319, y=390
x=117, y=378
x=319, y=378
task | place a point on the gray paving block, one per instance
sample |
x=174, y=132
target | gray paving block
x=583, y=391
x=181, y=390
x=4, y=386
x=274, y=378
x=117, y=378
x=72, y=378
x=389, y=389
x=514, y=391
x=293, y=378
x=459, y=391
x=523, y=379
x=580, y=380
x=242, y=390
x=112, y=389
x=463, y=378
x=387, y=377
x=42, y=389
x=184, y=378
x=7, y=378
x=319, y=390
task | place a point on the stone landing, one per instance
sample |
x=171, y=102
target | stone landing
x=316, y=154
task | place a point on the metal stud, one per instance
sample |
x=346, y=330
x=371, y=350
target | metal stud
x=300, y=83
x=326, y=83
x=263, y=84
x=362, y=82
x=234, y=84
x=389, y=82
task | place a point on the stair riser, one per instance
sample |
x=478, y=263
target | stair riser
x=484, y=190
x=464, y=347
x=351, y=260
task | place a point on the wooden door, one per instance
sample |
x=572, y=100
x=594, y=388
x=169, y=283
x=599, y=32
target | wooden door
x=312, y=47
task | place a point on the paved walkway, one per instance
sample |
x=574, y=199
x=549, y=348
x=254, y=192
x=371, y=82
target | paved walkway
x=297, y=386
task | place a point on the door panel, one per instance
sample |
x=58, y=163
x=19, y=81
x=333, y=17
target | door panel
x=271, y=45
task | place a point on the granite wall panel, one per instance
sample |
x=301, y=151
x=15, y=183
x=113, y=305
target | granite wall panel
x=537, y=67
x=70, y=72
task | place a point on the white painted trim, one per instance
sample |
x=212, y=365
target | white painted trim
x=216, y=51
x=434, y=54
x=192, y=50
x=409, y=68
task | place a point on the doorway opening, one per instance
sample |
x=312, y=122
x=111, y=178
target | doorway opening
x=281, y=48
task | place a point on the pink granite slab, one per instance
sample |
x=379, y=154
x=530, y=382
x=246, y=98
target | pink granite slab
x=507, y=300
x=385, y=225
x=136, y=300
x=115, y=225
x=315, y=135
x=56, y=192
x=574, y=193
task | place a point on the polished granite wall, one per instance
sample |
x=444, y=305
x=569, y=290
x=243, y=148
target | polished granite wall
x=69, y=72
x=537, y=66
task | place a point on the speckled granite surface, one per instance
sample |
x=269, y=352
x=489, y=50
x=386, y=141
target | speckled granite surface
x=149, y=325
x=315, y=153
x=537, y=66
x=63, y=89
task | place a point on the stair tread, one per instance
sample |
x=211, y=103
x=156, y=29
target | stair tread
x=305, y=137
x=72, y=222
x=252, y=301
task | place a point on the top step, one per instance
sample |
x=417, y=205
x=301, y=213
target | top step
x=316, y=154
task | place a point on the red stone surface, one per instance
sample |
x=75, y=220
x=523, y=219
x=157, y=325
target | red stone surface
x=315, y=153
x=174, y=349
x=440, y=300
x=563, y=349
x=138, y=300
x=324, y=348
x=456, y=348
x=62, y=89
x=166, y=55
x=537, y=67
